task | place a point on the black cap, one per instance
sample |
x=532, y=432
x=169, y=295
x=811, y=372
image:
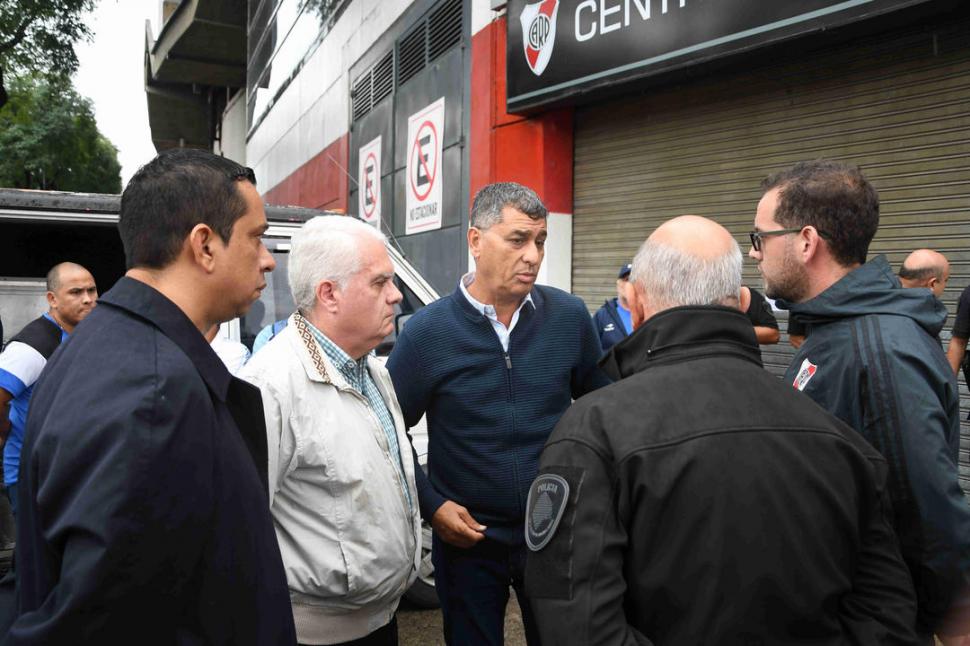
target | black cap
x=625, y=270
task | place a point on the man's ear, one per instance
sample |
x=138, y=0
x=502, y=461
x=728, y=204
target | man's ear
x=638, y=305
x=51, y=300
x=328, y=296
x=475, y=242
x=744, y=300
x=810, y=244
x=199, y=242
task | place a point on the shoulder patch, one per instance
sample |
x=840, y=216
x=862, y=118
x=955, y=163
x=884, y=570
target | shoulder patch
x=548, y=496
x=805, y=374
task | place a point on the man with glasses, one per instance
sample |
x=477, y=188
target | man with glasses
x=872, y=359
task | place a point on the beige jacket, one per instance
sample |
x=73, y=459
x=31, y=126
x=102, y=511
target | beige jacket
x=350, y=542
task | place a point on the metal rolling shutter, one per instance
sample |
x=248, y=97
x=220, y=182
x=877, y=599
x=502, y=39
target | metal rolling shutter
x=897, y=104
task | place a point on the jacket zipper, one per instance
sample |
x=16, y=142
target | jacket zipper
x=386, y=450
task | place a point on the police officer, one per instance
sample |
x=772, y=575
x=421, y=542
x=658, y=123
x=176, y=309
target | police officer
x=699, y=499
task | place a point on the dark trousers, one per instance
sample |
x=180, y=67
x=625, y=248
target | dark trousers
x=473, y=586
x=12, y=497
x=386, y=636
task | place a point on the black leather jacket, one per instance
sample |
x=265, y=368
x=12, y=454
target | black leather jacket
x=709, y=503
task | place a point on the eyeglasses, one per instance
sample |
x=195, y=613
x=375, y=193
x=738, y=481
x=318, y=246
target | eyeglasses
x=756, y=236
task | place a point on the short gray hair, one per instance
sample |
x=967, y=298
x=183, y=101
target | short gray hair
x=325, y=248
x=491, y=199
x=671, y=278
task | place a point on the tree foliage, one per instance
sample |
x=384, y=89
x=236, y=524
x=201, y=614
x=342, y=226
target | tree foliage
x=50, y=140
x=39, y=36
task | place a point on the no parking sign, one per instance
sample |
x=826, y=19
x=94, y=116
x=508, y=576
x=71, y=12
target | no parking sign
x=369, y=183
x=424, y=176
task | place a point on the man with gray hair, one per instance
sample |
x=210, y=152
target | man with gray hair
x=699, y=499
x=493, y=366
x=341, y=476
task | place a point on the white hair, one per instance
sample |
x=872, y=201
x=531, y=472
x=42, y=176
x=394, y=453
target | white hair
x=672, y=278
x=326, y=247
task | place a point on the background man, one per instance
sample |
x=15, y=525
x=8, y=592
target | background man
x=872, y=359
x=925, y=268
x=143, y=514
x=493, y=365
x=956, y=352
x=612, y=320
x=71, y=295
x=795, y=547
x=762, y=319
x=337, y=440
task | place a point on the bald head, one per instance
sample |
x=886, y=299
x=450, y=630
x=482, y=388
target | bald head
x=55, y=277
x=699, y=237
x=689, y=260
x=925, y=268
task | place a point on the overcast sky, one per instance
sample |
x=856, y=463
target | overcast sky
x=112, y=75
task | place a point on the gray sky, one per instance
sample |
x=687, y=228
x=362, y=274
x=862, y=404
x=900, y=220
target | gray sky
x=112, y=75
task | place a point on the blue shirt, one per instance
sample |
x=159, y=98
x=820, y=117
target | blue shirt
x=489, y=310
x=21, y=365
x=625, y=317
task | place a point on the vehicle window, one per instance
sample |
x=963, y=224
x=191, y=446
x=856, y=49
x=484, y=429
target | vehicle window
x=402, y=312
x=274, y=304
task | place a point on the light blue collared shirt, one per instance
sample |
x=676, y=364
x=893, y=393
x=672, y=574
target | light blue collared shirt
x=489, y=310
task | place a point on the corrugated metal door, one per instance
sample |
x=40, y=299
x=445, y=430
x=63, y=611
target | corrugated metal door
x=896, y=104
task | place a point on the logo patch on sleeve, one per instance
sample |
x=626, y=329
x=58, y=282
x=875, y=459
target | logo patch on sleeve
x=805, y=374
x=547, y=502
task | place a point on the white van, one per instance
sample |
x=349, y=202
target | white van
x=39, y=229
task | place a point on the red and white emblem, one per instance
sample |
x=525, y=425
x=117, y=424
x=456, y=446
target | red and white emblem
x=539, y=33
x=805, y=374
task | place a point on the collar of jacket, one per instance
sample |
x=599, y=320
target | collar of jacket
x=146, y=302
x=318, y=366
x=682, y=333
x=871, y=288
x=474, y=315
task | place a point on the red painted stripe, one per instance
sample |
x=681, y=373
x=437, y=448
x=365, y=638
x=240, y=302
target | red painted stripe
x=319, y=183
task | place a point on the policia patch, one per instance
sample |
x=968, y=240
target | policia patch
x=547, y=502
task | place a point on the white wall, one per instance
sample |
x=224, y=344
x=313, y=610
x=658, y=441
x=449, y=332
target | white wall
x=233, y=137
x=314, y=110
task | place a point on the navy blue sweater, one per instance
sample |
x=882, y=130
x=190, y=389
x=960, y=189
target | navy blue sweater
x=489, y=414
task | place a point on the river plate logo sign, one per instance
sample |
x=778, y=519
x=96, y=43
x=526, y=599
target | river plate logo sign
x=539, y=33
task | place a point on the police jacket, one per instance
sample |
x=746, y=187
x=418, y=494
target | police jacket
x=143, y=512
x=609, y=325
x=705, y=502
x=873, y=359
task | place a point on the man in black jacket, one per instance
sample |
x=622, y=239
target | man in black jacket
x=144, y=515
x=701, y=501
x=872, y=359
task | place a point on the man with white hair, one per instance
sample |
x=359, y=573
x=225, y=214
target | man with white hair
x=700, y=500
x=341, y=475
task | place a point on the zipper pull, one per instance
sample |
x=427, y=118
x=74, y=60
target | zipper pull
x=508, y=362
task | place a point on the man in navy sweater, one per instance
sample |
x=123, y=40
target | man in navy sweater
x=494, y=365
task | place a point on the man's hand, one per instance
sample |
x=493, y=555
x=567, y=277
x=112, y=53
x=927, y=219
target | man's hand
x=456, y=526
x=960, y=640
